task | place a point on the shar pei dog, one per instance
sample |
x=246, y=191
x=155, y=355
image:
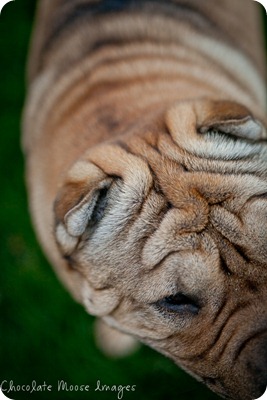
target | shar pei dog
x=145, y=140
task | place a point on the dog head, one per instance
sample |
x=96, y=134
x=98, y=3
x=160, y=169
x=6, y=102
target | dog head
x=168, y=230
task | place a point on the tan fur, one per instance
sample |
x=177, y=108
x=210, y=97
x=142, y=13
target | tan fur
x=145, y=138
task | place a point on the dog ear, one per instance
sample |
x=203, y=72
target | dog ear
x=228, y=117
x=215, y=129
x=80, y=202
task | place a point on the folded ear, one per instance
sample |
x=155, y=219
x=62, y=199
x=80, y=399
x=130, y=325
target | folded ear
x=211, y=129
x=228, y=117
x=80, y=202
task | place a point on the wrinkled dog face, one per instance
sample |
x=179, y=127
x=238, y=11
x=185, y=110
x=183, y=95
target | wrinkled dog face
x=168, y=229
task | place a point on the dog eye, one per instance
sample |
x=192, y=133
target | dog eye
x=179, y=303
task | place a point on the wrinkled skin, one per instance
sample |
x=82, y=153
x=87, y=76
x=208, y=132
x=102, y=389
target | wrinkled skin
x=167, y=228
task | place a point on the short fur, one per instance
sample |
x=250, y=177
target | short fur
x=145, y=139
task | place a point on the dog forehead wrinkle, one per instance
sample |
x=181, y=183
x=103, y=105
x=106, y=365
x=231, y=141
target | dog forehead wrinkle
x=246, y=230
x=161, y=244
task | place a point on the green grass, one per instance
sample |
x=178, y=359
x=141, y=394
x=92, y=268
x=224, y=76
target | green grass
x=44, y=335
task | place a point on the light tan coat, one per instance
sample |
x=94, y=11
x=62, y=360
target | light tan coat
x=146, y=153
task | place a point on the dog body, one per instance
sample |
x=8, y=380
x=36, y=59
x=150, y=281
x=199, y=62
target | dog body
x=147, y=173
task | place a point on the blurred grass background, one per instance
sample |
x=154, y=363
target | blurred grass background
x=44, y=335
